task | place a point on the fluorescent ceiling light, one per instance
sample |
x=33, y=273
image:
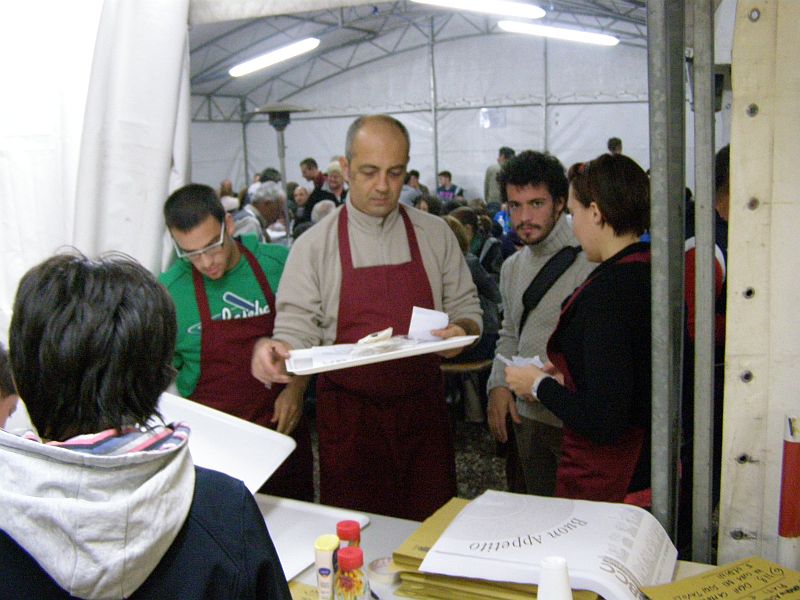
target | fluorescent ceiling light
x=274, y=57
x=572, y=35
x=504, y=8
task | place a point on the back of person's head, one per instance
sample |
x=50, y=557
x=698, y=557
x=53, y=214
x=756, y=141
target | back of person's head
x=434, y=205
x=301, y=228
x=466, y=216
x=534, y=168
x=91, y=344
x=269, y=191
x=459, y=231
x=451, y=205
x=614, y=145
x=270, y=174
x=722, y=170
x=190, y=205
x=230, y=203
x=492, y=208
x=619, y=187
x=322, y=209
x=309, y=163
x=478, y=205
x=506, y=152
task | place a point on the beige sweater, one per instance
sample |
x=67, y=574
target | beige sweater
x=518, y=271
x=308, y=295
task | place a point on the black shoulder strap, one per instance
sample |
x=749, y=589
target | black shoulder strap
x=545, y=278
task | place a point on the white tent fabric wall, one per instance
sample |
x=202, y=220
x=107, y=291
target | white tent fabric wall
x=592, y=94
x=90, y=129
x=133, y=138
x=40, y=125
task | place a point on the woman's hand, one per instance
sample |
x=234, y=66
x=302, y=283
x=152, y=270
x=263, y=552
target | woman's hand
x=520, y=379
x=551, y=370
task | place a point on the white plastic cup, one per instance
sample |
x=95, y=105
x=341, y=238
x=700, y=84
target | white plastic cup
x=554, y=579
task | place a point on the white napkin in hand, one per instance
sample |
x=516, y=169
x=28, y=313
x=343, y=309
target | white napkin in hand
x=423, y=321
x=521, y=361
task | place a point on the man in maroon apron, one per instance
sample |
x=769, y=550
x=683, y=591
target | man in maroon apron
x=385, y=443
x=215, y=266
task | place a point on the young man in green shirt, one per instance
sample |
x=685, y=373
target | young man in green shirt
x=224, y=294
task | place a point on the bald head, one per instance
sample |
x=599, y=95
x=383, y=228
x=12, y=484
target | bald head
x=375, y=163
x=377, y=122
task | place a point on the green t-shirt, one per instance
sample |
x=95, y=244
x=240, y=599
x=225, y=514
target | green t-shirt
x=237, y=295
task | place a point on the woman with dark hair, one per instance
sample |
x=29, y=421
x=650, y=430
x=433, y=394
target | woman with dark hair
x=598, y=378
x=107, y=503
x=481, y=242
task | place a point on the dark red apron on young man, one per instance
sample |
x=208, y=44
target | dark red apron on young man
x=587, y=470
x=385, y=443
x=227, y=384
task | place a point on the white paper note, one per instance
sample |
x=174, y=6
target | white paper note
x=423, y=321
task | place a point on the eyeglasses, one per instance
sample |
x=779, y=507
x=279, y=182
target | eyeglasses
x=196, y=254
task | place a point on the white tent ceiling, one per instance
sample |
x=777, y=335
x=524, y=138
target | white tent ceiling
x=351, y=37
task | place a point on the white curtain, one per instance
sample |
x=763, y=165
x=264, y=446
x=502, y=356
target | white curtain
x=130, y=132
x=93, y=129
x=47, y=51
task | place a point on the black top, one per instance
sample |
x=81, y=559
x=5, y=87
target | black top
x=488, y=294
x=604, y=337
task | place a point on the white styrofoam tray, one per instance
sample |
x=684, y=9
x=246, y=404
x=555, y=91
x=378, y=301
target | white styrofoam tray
x=300, y=362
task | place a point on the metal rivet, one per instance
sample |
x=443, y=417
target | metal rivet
x=752, y=110
x=746, y=376
x=755, y=15
x=745, y=458
x=738, y=534
x=752, y=204
x=749, y=293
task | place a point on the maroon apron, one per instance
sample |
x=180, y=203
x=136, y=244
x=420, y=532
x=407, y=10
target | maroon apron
x=227, y=384
x=385, y=443
x=586, y=470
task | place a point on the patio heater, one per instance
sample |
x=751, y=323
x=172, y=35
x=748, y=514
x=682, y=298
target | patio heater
x=279, y=117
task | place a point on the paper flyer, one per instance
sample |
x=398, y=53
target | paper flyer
x=751, y=578
x=611, y=549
